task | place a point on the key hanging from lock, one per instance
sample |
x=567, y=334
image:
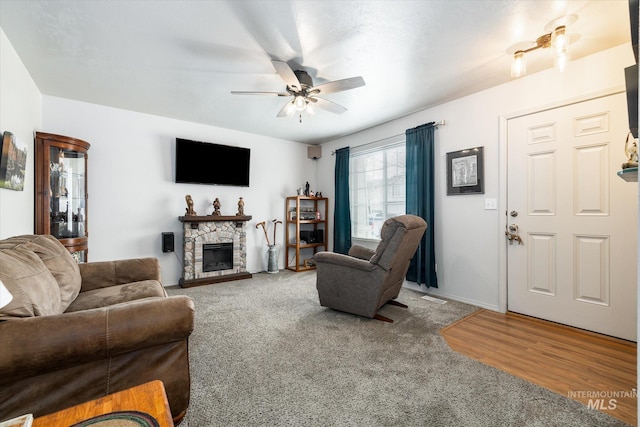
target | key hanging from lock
x=512, y=234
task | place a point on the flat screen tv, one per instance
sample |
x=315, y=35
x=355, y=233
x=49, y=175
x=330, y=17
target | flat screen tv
x=206, y=163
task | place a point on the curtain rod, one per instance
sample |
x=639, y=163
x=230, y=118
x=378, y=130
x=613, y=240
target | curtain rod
x=435, y=125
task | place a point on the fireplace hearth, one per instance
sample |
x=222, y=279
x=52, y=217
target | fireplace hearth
x=215, y=249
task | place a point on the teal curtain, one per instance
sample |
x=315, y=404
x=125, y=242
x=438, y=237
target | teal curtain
x=342, y=211
x=420, y=200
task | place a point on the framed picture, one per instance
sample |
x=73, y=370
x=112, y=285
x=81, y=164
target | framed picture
x=13, y=162
x=465, y=171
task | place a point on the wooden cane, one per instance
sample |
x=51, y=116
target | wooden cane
x=275, y=223
x=265, y=231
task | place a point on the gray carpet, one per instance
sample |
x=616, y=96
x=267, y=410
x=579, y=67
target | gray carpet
x=265, y=353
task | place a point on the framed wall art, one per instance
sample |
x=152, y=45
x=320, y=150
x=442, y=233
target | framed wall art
x=465, y=171
x=13, y=162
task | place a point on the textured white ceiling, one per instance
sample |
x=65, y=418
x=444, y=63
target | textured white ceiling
x=181, y=59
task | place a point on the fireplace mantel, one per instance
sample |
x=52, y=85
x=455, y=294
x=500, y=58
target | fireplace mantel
x=214, y=218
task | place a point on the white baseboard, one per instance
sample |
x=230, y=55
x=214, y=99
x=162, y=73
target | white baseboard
x=437, y=293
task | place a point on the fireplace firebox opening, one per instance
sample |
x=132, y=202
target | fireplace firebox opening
x=217, y=256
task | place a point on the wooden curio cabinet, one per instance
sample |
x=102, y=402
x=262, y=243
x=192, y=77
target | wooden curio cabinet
x=61, y=191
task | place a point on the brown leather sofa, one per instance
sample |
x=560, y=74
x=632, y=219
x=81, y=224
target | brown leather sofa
x=77, y=332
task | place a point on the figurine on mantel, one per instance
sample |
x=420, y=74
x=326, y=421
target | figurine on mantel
x=189, y=210
x=216, y=207
x=240, y=207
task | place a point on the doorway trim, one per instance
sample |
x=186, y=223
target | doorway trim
x=503, y=184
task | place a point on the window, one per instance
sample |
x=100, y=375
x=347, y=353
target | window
x=377, y=188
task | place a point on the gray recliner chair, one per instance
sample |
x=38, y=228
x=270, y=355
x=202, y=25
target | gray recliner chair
x=365, y=280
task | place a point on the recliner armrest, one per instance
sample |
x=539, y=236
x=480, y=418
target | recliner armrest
x=102, y=274
x=343, y=260
x=361, y=252
x=37, y=345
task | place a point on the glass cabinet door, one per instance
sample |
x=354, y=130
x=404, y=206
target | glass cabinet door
x=61, y=191
x=67, y=193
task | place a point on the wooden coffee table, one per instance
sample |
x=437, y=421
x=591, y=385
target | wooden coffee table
x=149, y=398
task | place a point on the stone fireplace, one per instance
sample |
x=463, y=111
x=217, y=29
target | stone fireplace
x=215, y=249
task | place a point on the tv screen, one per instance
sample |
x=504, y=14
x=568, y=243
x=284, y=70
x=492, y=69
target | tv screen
x=206, y=163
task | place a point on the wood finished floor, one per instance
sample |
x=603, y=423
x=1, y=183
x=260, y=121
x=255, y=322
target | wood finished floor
x=572, y=362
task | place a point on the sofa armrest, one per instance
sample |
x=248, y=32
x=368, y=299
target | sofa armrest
x=36, y=345
x=102, y=274
x=361, y=252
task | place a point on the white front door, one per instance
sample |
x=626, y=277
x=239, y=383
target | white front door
x=577, y=219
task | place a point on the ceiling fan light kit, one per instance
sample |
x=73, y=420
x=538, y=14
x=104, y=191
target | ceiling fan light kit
x=557, y=38
x=299, y=85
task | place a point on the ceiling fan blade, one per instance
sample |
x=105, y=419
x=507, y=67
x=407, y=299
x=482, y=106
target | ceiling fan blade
x=338, y=85
x=286, y=73
x=286, y=111
x=240, y=92
x=325, y=104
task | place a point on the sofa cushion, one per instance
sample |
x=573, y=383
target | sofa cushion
x=34, y=289
x=57, y=259
x=117, y=294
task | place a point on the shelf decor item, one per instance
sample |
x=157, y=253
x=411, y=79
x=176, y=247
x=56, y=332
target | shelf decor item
x=631, y=152
x=189, y=209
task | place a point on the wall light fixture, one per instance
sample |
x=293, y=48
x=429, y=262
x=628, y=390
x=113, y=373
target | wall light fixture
x=556, y=38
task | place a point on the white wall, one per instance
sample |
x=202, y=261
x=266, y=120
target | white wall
x=132, y=193
x=133, y=197
x=20, y=114
x=469, y=238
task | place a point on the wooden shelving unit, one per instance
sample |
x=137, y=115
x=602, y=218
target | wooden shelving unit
x=306, y=230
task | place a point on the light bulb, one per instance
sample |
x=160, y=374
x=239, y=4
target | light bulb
x=310, y=109
x=560, y=43
x=300, y=103
x=290, y=109
x=559, y=39
x=560, y=60
x=518, y=66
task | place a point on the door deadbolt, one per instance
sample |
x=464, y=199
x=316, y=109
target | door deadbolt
x=513, y=213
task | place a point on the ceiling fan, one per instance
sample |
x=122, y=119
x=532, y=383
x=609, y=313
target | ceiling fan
x=305, y=94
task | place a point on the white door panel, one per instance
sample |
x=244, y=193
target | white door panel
x=576, y=218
